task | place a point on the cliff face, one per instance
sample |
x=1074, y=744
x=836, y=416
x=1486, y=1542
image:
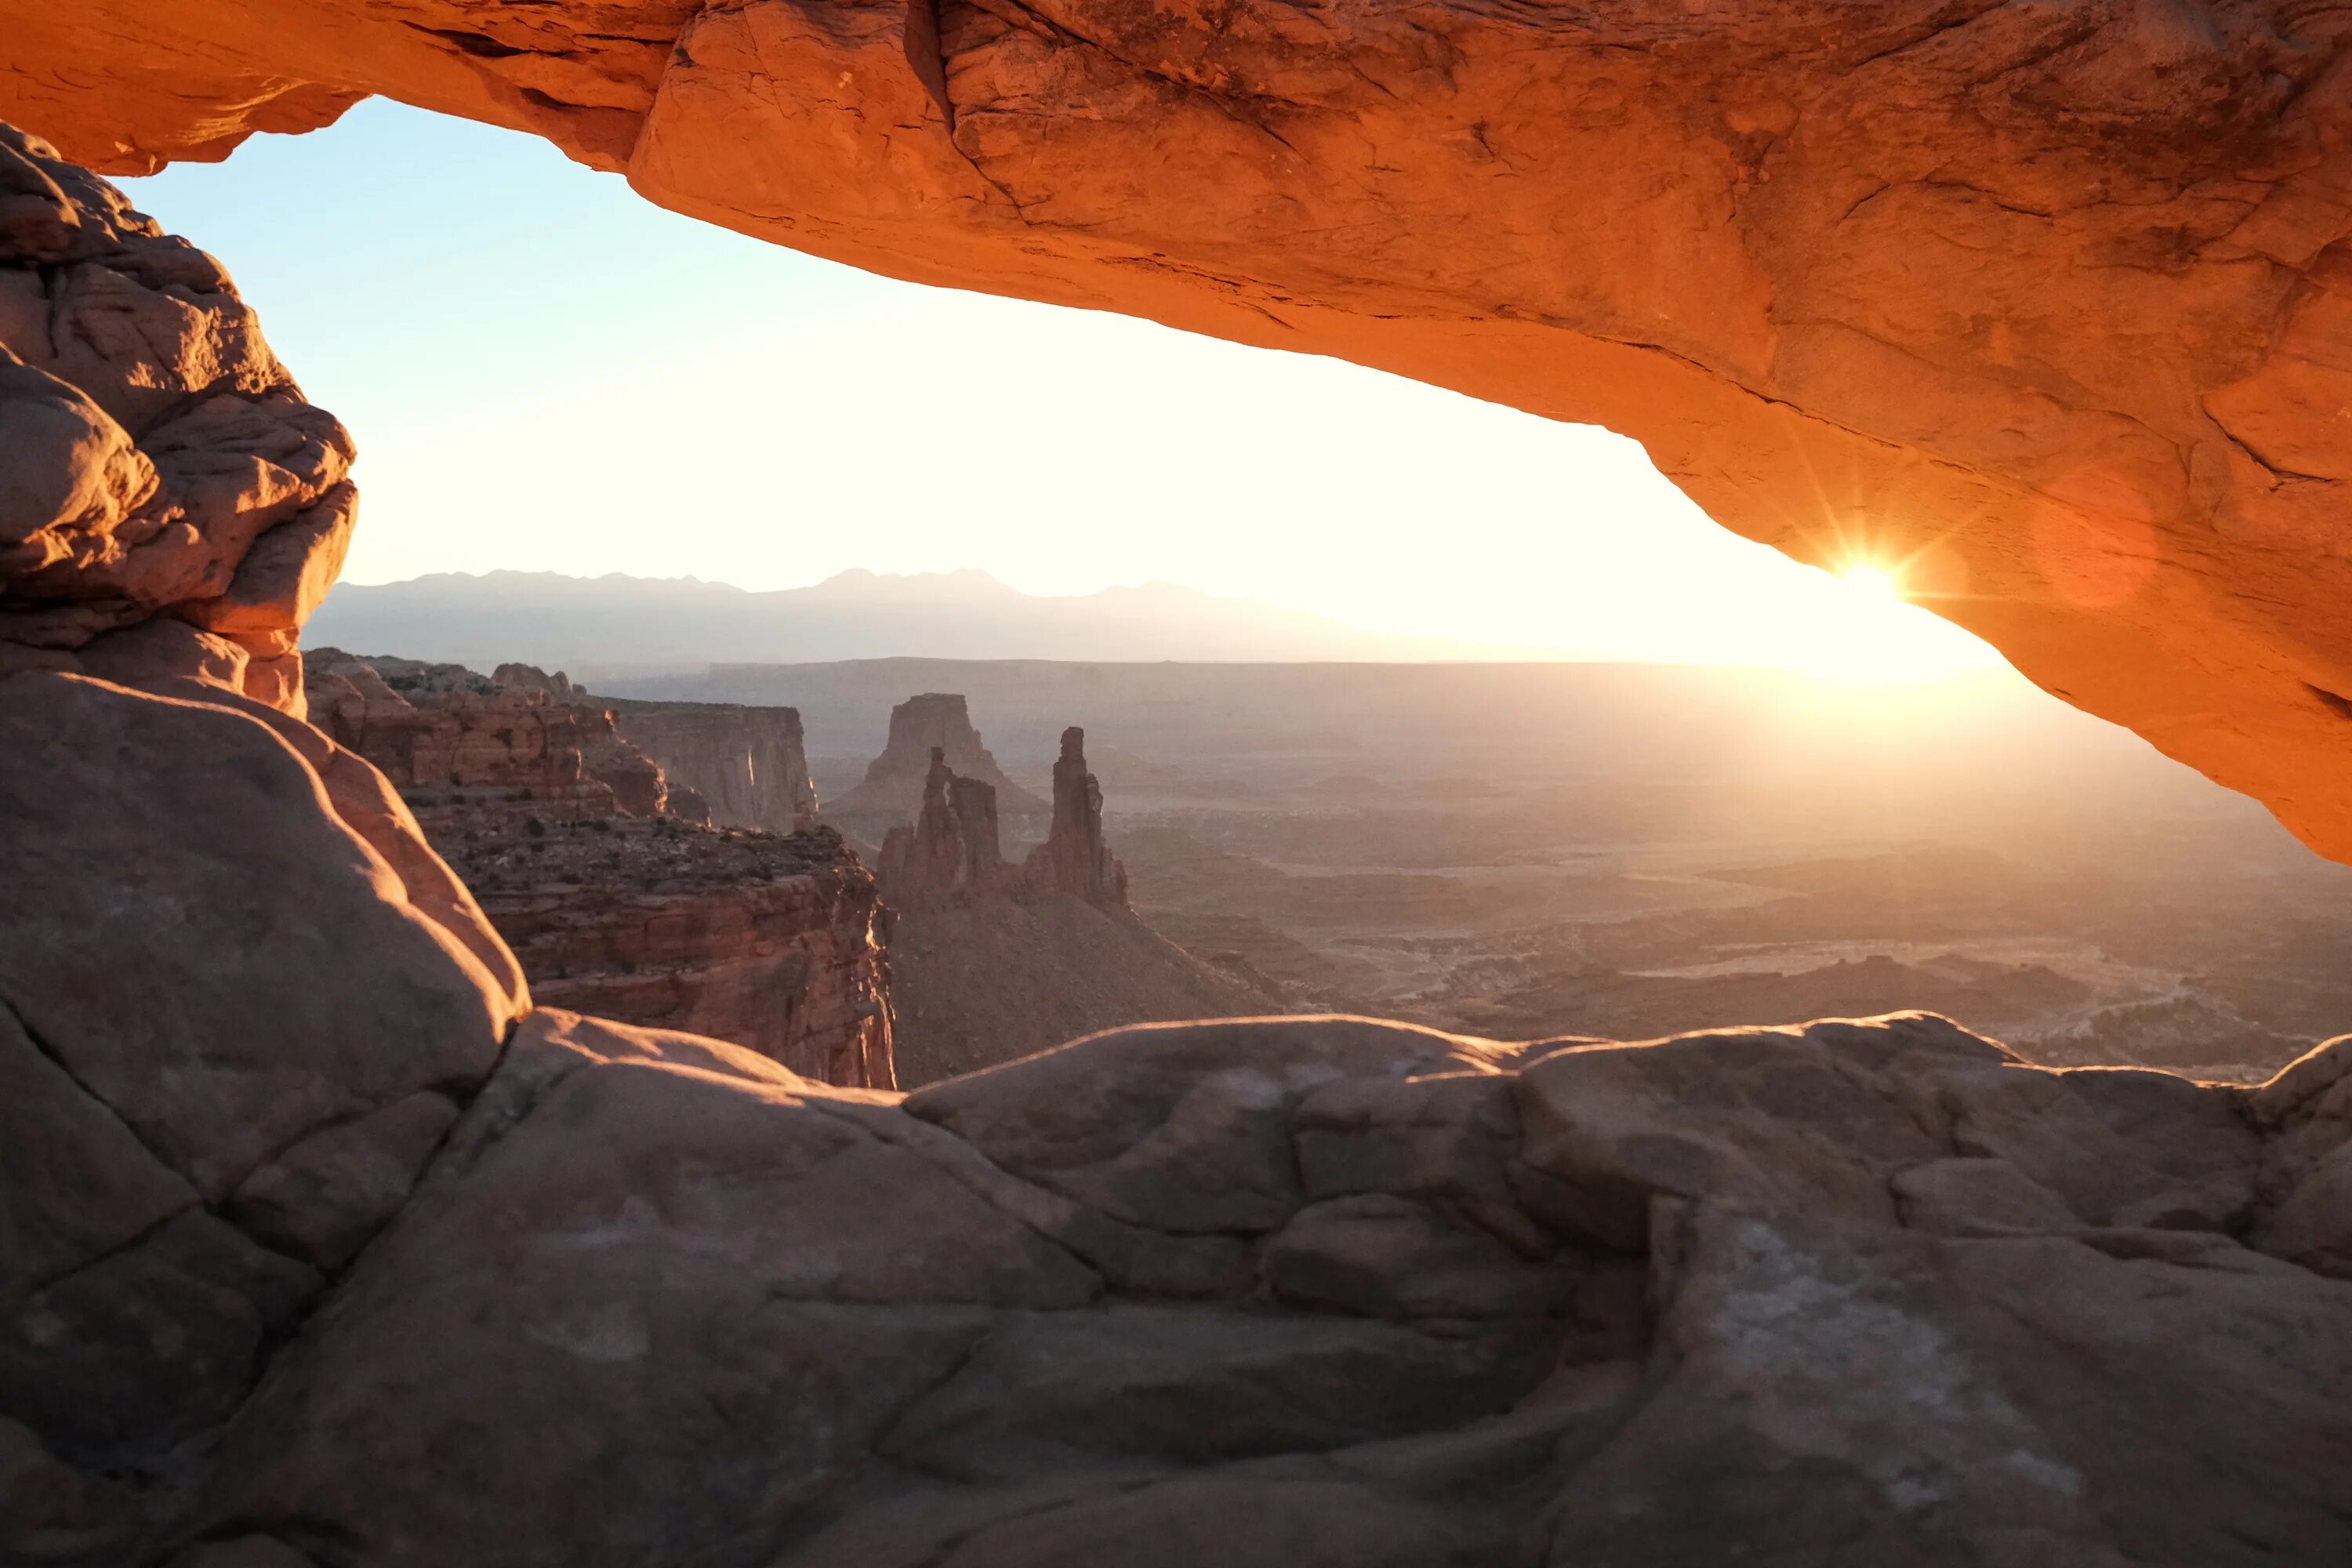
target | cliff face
x=776, y=942
x=746, y=764
x=609, y=901
x=935, y=722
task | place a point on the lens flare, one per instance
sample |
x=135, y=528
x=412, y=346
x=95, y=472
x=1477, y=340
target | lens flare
x=1872, y=580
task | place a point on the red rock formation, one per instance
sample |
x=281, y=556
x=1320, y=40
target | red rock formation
x=1074, y=859
x=171, y=505
x=938, y=723
x=454, y=742
x=2049, y=299
x=950, y=854
x=609, y=900
x=746, y=763
x=774, y=942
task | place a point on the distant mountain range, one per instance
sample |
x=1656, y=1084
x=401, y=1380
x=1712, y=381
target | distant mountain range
x=618, y=625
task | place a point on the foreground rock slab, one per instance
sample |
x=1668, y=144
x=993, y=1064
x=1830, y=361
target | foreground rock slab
x=1322, y=1291
x=391, y=1276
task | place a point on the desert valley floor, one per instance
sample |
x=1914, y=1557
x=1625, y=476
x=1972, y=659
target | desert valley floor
x=1525, y=851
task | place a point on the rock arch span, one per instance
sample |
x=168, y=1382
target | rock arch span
x=2054, y=300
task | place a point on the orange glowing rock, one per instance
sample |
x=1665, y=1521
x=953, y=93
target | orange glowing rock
x=2065, y=293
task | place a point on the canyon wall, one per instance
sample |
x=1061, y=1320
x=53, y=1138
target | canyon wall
x=612, y=902
x=2047, y=302
x=746, y=764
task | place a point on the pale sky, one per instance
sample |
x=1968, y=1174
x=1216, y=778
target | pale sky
x=545, y=372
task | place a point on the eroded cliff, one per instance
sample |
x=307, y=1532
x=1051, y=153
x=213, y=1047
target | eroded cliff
x=611, y=901
x=746, y=764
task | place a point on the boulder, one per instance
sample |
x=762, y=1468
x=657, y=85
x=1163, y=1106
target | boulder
x=164, y=463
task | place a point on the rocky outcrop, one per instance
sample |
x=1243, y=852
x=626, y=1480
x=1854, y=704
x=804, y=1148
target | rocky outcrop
x=465, y=749
x=777, y=942
x=2045, y=301
x=292, y=1230
x=935, y=723
x=171, y=505
x=990, y=962
x=745, y=763
x=1074, y=859
x=610, y=899
x=951, y=853
x=232, y=1034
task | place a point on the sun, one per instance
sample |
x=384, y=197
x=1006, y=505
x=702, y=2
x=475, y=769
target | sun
x=1871, y=580
x=1863, y=624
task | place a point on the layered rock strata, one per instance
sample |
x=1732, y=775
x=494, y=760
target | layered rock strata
x=933, y=723
x=609, y=901
x=2047, y=301
x=746, y=764
x=170, y=505
x=290, y=1230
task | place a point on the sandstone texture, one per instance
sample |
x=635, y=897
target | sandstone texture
x=746, y=764
x=322, y=1262
x=2046, y=301
x=609, y=899
x=170, y=505
x=935, y=726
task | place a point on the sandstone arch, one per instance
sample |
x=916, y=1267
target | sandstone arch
x=2056, y=297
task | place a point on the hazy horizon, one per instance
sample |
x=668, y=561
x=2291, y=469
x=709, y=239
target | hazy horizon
x=619, y=623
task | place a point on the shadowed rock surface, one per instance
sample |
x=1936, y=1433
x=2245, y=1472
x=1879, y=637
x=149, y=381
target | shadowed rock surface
x=380, y=1288
x=2049, y=301
x=1074, y=859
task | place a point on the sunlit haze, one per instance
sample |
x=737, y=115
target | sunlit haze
x=547, y=372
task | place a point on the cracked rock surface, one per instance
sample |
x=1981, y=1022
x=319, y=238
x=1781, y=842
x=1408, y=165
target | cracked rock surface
x=319, y=1253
